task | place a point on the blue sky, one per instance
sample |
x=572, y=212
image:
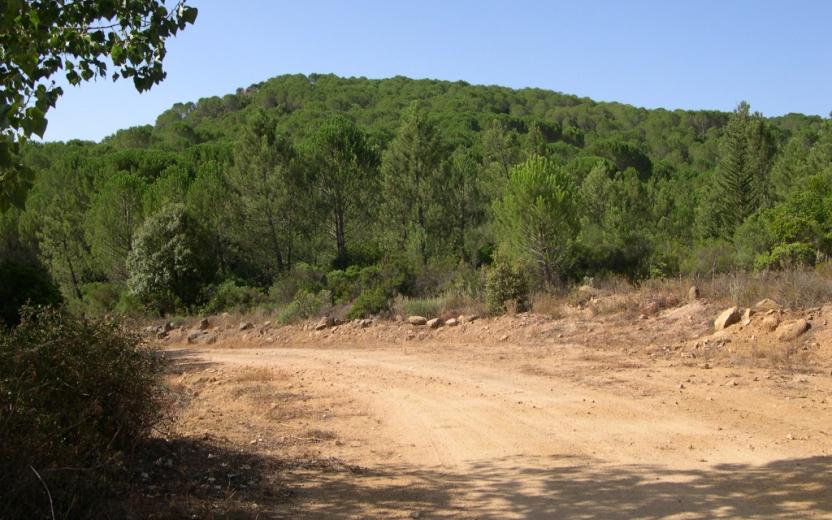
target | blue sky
x=694, y=54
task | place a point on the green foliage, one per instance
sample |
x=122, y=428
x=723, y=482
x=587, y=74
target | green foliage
x=537, y=216
x=23, y=284
x=742, y=175
x=100, y=298
x=427, y=307
x=266, y=182
x=506, y=286
x=113, y=217
x=284, y=180
x=41, y=39
x=304, y=306
x=167, y=265
x=369, y=302
x=344, y=171
x=302, y=277
x=411, y=171
x=228, y=296
x=75, y=394
x=783, y=256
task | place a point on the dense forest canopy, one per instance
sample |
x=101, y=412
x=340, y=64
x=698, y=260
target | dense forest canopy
x=355, y=190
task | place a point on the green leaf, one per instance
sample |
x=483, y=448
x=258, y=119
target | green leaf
x=117, y=53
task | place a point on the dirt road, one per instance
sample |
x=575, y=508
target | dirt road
x=437, y=430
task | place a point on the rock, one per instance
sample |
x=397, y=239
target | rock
x=203, y=324
x=728, y=317
x=194, y=336
x=468, y=319
x=693, y=293
x=767, y=304
x=504, y=337
x=435, y=323
x=453, y=322
x=365, y=323
x=792, y=329
x=771, y=322
x=167, y=327
x=746, y=316
x=417, y=320
x=208, y=338
x=325, y=323
x=246, y=325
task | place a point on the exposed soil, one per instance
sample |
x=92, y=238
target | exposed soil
x=586, y=416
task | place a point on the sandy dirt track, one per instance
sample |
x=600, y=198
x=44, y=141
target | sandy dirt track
x=442, y=429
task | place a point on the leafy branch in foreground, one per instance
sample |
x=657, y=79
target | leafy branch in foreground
x=39, y=39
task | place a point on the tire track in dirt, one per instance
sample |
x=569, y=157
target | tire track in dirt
x=496, y=437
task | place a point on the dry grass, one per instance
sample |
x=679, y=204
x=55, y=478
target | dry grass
x=795, y=288
x=448, y=305
x=548, y=304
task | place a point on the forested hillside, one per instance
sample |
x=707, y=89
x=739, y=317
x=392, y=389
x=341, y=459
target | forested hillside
x=309, y=191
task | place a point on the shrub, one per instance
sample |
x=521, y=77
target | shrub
x=99, y=298
x=75, y=393
x=230, y=296
x=170, y=261
x=784, y=256
x=305, y=305
x=371, y=301
x=506, y=286
x=302, y=277
x=21, y=284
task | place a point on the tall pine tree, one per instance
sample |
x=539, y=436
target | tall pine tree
x=742, y=174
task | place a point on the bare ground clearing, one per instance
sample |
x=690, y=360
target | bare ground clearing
x=517, y=417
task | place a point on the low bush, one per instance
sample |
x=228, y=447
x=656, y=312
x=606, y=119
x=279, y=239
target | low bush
x=305, y=305
x=302, y=277
x=506, y=288
x=228, y=296
x=99, y=298
x=75, y=394
x=369, y=302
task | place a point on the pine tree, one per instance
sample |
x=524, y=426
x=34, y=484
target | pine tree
x=537, y=217
x=262, y=180
x=741, y=178
x=344, y=172
x=410, y=168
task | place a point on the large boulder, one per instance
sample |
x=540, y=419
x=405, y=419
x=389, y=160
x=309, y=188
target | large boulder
x=417, y=320
x=453, y=322
x=246, y=325
x=727, y=318
x=203, y=324
x=792, y=329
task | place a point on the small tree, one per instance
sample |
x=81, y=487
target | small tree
x=536, y=218
x=168, y=264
